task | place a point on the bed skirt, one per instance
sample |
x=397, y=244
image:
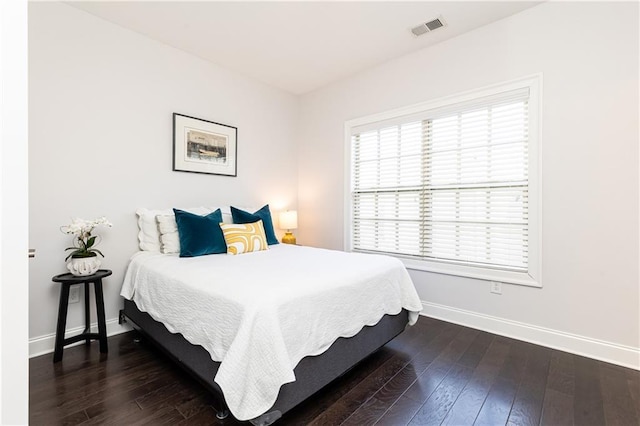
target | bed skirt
x=312, y=372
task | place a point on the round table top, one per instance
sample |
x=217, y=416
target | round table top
x=69, y=278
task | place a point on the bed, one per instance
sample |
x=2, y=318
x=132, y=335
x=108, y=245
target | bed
x=264, y=331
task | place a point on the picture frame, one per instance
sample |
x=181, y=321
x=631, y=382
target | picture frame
x=203, y=146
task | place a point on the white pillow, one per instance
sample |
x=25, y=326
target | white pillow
x=168, y=228
x=149, y=235
x=169, y=239
x=226, y=213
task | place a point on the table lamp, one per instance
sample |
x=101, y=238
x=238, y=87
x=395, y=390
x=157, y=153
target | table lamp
x=289, y=221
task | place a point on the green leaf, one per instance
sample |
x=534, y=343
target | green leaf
x=90, y=242
x=97, y=251
x=70, y=255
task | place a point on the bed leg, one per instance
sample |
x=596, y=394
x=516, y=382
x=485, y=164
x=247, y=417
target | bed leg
x=223, y=414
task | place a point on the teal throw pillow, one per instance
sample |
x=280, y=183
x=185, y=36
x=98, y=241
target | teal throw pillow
x=200, y=235
x=264, y=214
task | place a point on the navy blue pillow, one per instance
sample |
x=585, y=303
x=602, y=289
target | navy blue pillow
x=200, y=235
x=264, y=214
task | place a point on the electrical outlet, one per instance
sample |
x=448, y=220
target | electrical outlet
x=74, y=295
x=496, y=287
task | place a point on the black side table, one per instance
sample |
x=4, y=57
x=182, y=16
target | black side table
x=67, y=280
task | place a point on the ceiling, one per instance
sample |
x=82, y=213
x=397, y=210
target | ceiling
x=298, y=46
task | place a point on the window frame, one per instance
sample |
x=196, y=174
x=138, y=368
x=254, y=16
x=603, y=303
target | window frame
x=533, y=276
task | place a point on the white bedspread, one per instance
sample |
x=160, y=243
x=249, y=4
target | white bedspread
x=259, y=314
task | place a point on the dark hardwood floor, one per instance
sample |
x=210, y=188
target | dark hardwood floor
x=433, y=373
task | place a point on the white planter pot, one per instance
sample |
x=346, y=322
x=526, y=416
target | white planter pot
x=83, y=266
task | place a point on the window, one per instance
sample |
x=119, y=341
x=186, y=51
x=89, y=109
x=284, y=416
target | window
x=451, y=186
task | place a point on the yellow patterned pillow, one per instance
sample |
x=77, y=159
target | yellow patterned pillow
x=245, y=237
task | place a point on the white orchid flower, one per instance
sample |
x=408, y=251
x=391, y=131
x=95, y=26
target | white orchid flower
x=84, y=243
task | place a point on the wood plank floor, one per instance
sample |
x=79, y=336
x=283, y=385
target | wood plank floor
x=433, y=373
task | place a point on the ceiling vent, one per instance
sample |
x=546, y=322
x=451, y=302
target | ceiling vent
x=428, y=27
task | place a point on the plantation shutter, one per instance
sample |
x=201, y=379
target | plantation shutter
x=448, y=185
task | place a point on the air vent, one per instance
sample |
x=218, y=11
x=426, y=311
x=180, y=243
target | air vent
x=420, y=29
x=428, y=27
x=435, y=24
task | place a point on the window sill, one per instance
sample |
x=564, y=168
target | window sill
x=509, y=277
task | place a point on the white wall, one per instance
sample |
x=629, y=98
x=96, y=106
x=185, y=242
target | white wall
x=101, y=100
x=588, y=54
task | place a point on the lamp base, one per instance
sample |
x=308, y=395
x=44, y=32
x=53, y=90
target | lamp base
x=288, y=238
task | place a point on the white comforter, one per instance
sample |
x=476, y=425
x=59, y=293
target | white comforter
x=259, y=314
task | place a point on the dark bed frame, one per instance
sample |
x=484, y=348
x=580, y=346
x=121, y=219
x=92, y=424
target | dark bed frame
x=312, y=372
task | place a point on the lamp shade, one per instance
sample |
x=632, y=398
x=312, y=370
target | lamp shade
x=289, y=219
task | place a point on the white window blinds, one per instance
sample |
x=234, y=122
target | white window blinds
x=447, y=184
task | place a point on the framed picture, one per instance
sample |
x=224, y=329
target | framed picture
x=201, y=146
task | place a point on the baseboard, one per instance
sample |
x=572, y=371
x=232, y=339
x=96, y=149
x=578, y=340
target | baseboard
x=45, y=344
x=625, y=356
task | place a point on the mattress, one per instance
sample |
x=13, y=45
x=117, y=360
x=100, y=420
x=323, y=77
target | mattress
x=259, y=314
